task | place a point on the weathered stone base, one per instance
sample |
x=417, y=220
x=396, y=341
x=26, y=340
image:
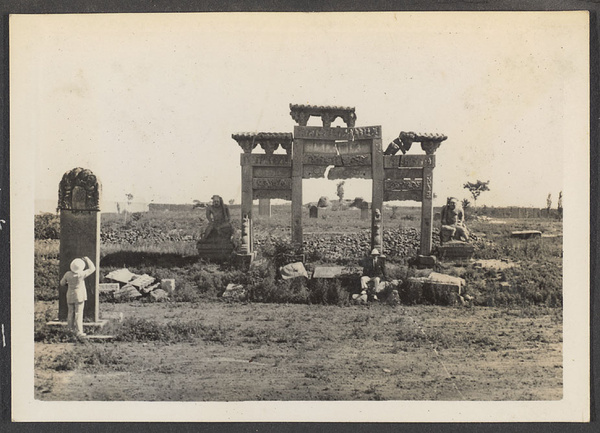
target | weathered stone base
x=424, y=262
x=243, y=261
x=455, y=250
x=220, y=250
x=438, y=289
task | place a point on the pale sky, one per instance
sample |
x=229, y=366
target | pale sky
x=148, y=102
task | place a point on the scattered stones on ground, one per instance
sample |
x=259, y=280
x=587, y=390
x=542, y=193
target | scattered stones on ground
x=159, y=295
x=128, y=286
x=235, y=292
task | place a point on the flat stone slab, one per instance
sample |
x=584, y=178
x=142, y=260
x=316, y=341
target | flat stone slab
x=526, y=234
x=121, y=275
x=329, y=272
x=142, y=281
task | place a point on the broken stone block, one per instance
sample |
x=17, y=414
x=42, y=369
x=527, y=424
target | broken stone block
x=149, y=289
x=108, y=287
x=168, y=285
x=293, y=270
x=436, y=278
x=425, y=261
x=142, y=281
x=393, y=298
x=159, y=295
x=504, y=285
x=121, y=275
x=360, y=299
x=235, y=292
x=127, y=293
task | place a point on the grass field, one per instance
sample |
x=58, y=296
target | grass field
x=506, y=345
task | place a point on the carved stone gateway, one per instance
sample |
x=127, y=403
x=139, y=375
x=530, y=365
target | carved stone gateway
x=350, y=152
x=79, y=206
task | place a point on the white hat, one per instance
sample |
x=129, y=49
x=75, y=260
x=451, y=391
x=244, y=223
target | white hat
x=375, y=252
x=77, y=265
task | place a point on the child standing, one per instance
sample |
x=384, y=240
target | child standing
x=76, y=292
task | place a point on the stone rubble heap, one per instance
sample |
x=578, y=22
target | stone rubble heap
x=127, y=286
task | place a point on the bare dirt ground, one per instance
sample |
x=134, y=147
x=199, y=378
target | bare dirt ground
x=313, y=352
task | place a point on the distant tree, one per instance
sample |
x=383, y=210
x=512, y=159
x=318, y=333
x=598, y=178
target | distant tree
x=465, y=203
x=476, y=188
x=340, y=190
x=118, y=208
x=560, y=205
x=129, y=198
x=548, y=204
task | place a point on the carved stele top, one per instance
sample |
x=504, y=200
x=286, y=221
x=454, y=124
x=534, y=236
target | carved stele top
x=269, y=141
x=79, y=189
x=327, y=113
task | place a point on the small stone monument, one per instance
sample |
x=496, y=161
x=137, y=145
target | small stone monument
x=313, y=212
x=79, y=206
x=364, y=210
x=215, y=243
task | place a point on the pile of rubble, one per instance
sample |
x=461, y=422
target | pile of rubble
x=127, y=286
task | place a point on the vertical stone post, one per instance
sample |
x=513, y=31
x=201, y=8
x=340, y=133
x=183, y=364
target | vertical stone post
x=377, y=199
x=426, y=212
x=297, y=156
x=264, y=207
x=246, y=163
x=78, y=202
x=427, y=202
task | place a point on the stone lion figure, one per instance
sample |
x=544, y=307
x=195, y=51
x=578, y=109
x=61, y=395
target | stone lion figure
x=453, y=222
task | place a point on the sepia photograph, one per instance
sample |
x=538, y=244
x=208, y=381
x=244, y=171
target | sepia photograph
x=358, y=217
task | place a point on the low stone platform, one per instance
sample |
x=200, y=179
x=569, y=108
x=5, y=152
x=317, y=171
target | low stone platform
x=220, y=250
x=526, y=234
x=98, y=325
x=456, y=250
x=331, y=272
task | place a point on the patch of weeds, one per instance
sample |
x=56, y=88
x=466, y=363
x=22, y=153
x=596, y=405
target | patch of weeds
x=328, y=292
x=46, y=278
x=55, y=334
x=143, y=330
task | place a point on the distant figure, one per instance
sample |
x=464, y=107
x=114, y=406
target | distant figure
x=373, y=270
x=453, y=222
x=76, y=292
x=218, y=217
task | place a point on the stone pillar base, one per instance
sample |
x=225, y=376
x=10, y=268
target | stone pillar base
x=455, y=250
x=243, y=261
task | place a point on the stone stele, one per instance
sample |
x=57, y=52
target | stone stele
x=78, y=202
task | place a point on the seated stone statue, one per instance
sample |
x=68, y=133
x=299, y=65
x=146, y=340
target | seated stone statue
x=219, y=224
x=453, y=222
